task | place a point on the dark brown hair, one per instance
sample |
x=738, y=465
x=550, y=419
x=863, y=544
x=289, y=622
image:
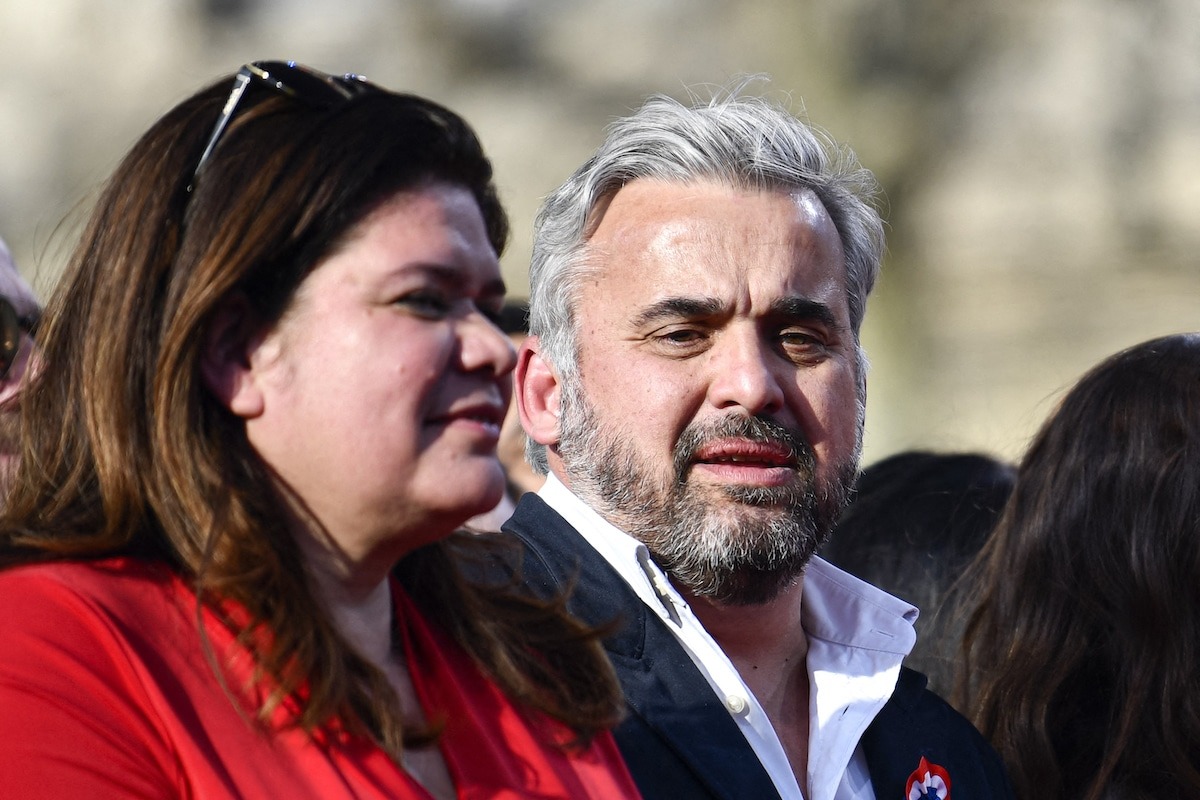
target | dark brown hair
x=917, y=520
x=125, y=451
x=1081, y=659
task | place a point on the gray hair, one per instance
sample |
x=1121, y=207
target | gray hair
x=747, y=142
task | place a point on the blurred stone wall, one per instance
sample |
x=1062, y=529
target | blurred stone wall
x=1041, y=159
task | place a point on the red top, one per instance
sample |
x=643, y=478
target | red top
x=107, y=690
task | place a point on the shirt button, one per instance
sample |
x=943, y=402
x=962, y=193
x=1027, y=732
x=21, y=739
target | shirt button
x=735, y=703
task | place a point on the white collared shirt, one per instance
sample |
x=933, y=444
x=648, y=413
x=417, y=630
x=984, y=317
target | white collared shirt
x=857, y=637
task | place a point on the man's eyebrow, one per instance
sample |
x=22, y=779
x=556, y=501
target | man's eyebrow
x=802, y=308
x=674, y=308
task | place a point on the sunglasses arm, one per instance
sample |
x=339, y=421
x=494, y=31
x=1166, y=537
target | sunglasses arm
x=241, y=81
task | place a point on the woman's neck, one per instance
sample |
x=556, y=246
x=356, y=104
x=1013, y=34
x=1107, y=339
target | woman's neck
x=362, y=613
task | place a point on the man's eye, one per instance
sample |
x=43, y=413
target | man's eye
x=801, y=343
x=799, y=338
x=679, y=342
x=681, y=336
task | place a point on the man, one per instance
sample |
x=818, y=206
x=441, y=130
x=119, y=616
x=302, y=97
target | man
x=19, y=311
x=694, y=385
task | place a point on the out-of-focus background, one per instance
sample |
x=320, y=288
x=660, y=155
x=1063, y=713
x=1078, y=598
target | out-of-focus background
x=1041, y=158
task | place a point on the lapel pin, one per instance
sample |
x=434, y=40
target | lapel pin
x=929, y=782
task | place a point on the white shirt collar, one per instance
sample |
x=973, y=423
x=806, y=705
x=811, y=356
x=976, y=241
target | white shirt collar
x=837, y=607
x=618, y=548
x=857, y=637
x=845, y=610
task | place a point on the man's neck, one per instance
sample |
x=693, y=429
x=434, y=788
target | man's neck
x=769, y=649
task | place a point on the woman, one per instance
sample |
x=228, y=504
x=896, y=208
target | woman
x=271, y=389
x=1082, y=656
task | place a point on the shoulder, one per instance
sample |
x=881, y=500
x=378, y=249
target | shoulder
x=109, y=579
x=74, y=639
x=111, y=623
x=917, y=725
x=553, y=551
x=110, y=585
x=533, y=518
x=85, y=613
x=558, y=561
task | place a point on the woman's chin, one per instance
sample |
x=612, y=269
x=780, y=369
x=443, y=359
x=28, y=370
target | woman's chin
x=486, y=496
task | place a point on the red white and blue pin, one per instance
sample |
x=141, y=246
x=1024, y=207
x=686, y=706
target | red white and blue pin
x=929, y=782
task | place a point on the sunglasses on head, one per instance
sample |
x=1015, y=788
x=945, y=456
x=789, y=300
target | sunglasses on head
x=12, y=327
x=307, y=85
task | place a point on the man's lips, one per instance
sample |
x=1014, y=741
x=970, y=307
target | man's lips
x=745, y=453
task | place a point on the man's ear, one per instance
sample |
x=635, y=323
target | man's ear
x=538, y=394
x=226, y=360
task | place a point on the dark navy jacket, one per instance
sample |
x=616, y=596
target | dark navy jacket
x=678, y=739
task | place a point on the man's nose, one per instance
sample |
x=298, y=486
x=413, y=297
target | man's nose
x=744, y=374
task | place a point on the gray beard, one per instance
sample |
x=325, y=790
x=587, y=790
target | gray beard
x=736, y=545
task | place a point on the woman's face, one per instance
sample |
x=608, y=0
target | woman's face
x=381, y=392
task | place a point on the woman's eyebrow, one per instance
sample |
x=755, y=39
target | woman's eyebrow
x=453, y=275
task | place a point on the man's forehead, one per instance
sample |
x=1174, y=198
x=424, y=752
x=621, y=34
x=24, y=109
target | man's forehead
x=664, y=215
x=656, y=200
x=709, y=241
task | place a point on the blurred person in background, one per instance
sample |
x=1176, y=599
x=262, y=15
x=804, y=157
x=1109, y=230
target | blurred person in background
x=272, y=387
x=19, y=314
x=694, y=384
x=1082, y=658
x=522, y=478
x=519, y=477
x=916, y=521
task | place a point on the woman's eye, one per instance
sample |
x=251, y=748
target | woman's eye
x=426, y=304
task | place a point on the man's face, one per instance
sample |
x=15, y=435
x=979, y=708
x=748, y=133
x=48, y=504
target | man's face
x=714, y=415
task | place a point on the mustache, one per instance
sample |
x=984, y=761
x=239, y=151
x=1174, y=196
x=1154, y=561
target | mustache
x=755, y=429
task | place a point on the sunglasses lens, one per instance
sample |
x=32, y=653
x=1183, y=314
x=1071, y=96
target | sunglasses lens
x=10, y=336
x=288, y=78
x=306, y=85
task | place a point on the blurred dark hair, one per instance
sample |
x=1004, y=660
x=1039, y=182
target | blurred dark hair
x=514, y=317
x=125, y=450
x=1080, y=661
x=916, y=521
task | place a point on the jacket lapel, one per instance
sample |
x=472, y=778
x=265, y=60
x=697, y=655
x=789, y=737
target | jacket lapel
x=918, y=739
x=665, y=691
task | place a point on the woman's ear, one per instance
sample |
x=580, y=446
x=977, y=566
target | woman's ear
x=538, y=394
x=226, y=362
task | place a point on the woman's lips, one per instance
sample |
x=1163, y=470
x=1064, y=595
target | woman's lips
x=485, y=417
